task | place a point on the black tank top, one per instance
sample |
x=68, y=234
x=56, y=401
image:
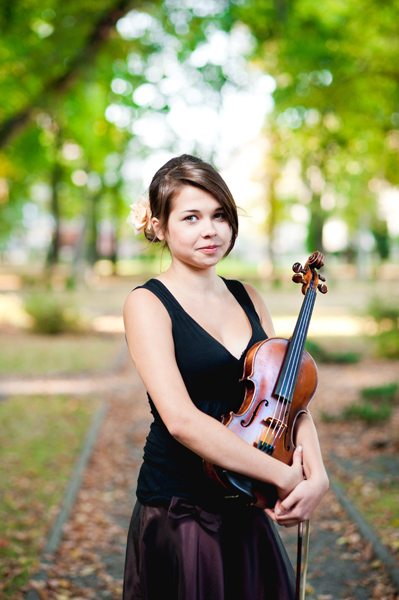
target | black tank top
x=212, y=378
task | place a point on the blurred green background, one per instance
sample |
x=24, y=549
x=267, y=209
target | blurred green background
x=296, y=103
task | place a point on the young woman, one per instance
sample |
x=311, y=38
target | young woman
x=188, y=332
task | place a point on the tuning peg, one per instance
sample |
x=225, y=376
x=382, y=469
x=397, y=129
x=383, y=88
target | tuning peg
x=297, y=268
x=297, y=278
x=322, y=288
x=322, y=278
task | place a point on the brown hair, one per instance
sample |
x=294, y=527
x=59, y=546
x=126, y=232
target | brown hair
x=186, y=170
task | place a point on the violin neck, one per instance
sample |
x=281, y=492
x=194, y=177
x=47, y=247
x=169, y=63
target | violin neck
x=289, y=372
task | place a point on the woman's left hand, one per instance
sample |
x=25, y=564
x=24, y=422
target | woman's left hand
x=300, y=503
x=303, y=499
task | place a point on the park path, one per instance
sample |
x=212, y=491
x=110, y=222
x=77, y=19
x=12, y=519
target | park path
x=89, y=556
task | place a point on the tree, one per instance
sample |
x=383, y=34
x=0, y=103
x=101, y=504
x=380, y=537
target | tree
x=87, y=85
x=72, y=104
x=336, y=98
x=64, y=57
x=46, y=50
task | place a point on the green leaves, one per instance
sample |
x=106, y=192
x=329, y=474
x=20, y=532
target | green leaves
x=105, y=80
x=336, y=99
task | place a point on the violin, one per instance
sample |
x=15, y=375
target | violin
x=281, y=379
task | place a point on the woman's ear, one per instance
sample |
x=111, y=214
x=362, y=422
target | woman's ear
x=158, y=230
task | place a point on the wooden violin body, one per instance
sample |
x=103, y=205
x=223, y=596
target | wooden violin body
x=281, y=379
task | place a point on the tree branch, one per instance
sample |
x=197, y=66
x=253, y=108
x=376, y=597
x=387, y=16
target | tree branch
x=100, y=34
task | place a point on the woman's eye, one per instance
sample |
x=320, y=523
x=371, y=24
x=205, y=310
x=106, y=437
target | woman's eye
x=220, y=216
x=190, y=218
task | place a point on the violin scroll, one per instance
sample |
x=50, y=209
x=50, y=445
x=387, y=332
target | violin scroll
x=308, y=276
x=315, y=260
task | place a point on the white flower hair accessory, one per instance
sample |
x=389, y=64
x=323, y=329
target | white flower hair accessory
x=140, y=216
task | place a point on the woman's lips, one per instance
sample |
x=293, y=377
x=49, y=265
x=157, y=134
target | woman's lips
x=209, y=249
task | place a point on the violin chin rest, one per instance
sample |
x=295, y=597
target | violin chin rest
x=243, y=485
x=249, y=491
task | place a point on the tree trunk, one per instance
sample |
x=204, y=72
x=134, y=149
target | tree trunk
x=92, y=229
x=54, y=248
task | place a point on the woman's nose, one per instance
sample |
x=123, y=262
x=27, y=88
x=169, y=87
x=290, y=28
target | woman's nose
x=208, y=229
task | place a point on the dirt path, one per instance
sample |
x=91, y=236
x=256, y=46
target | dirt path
x=89, y=561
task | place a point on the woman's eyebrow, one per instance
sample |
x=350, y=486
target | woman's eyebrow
x=197, y=210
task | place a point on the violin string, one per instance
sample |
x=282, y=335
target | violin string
x=280, y=407
x=299, y=341
x=300, y=338
x=296, y=343
x=301, y=332
x=284, y=408
x=289, y=373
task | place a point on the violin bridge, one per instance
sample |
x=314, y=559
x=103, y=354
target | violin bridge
x=276, y=424
x=274, y=430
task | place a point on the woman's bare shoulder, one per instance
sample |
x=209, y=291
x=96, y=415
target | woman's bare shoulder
x=141, y=301
x=255, y=296
x=261, y=308
x=252, y=291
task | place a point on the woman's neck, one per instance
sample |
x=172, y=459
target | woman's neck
x=180, y=278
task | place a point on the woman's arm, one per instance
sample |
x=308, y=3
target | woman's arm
x=301, y=502
x=149, y=335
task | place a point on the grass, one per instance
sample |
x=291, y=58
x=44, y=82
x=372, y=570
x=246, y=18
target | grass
x=385, y=393
x=35, y=353
x=40, y=439
x=376, y=404
x=387, y=344
x=369, y=412
x=378, y=503
x=321, y=355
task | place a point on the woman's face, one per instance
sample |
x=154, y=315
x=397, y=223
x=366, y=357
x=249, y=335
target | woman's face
x=198, y=232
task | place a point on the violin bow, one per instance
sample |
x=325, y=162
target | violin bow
x=298, y=594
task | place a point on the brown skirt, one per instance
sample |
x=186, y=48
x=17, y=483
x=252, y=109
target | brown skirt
x=185, y=553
